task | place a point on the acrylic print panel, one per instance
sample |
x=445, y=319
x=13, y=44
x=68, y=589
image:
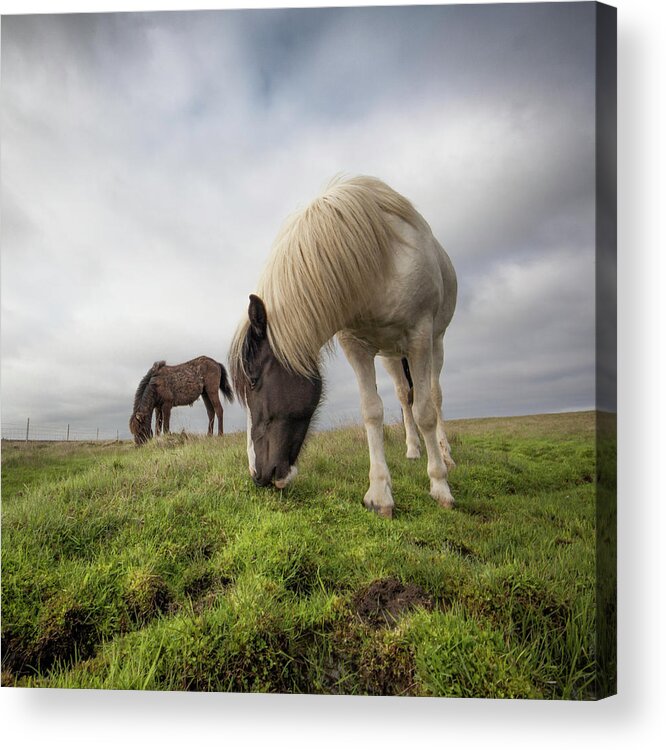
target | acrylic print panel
x=149, y=162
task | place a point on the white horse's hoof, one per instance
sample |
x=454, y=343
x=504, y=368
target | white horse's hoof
x=413, y=452
x=380, y=501
x=440, y=491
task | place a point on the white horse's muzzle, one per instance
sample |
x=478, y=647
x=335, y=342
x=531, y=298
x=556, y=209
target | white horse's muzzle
x=282, y=483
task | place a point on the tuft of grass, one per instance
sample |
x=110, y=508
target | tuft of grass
x=165, y=568
x=459, y=656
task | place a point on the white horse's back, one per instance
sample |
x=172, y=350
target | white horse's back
x=421, y=284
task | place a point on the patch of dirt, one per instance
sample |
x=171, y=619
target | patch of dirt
x=380, y=604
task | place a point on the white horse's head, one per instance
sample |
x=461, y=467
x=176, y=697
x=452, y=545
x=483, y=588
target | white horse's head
x=280, y=405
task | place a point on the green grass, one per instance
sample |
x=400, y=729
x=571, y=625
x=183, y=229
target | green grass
x=164, y=568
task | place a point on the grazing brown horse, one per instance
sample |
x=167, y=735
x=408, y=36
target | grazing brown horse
x=165, y=386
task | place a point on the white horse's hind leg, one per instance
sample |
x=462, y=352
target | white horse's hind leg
x=396, y=371
x=436, y=388
x=426, y=414
x=378, y=497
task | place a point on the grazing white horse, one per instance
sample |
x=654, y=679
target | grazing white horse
x=362, y=263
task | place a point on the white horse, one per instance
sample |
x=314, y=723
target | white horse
x=362, y=263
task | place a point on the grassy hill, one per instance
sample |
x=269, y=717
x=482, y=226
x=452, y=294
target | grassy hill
x=164, y=568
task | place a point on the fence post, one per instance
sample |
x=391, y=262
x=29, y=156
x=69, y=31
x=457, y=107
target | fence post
x=98, y=433
x=27, y=431
x=67, y=432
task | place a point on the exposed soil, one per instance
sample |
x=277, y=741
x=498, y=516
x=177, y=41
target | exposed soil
x=382, y=602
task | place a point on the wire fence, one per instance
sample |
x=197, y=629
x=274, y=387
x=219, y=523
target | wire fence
x=28, y=431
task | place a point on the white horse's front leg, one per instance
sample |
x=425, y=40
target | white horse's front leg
x=427, y=416
x=378, y=497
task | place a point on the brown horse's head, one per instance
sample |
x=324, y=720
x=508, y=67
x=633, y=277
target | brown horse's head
x=140, y=427
x=142, y=412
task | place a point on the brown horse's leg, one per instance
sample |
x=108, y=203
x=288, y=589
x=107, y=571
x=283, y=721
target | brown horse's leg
x=158, y=421
x=217, y=404
x=166, y=417
x=210, y=410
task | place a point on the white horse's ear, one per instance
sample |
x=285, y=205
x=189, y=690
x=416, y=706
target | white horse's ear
x=257, y=314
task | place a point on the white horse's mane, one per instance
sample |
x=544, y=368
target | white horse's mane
x=327, y=264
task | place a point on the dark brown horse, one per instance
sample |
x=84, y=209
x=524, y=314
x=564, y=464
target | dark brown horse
x=165, y=386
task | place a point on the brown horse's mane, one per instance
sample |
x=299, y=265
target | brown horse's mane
x=141, y=391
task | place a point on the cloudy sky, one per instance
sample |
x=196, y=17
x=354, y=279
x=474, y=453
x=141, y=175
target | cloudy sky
x=149, y=159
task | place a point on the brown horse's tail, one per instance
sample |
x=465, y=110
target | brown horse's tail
x=224, y=384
